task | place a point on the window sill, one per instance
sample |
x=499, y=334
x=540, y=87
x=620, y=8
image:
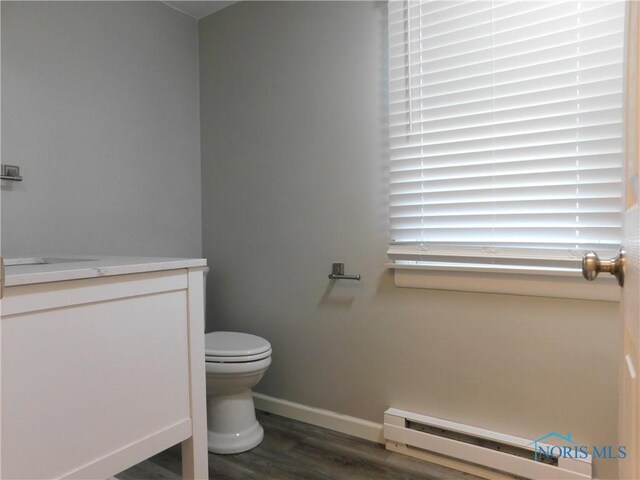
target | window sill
x=529, y=282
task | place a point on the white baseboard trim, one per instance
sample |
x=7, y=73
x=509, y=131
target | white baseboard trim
x=353, y=426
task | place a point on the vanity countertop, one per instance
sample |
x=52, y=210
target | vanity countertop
x=57, y=268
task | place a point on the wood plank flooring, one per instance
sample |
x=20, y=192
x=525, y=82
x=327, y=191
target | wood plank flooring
x=294, y=450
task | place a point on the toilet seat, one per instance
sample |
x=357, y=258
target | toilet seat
x=236, y=359
x=234, y=347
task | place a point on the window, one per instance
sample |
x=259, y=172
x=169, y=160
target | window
x=505, y=134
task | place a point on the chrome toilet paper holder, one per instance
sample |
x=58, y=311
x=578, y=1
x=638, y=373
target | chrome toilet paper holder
x=337, y=273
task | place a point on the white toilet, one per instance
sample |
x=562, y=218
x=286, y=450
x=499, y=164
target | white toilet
x=235, y=363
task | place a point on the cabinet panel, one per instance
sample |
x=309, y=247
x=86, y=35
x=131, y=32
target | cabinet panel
x=99, y=376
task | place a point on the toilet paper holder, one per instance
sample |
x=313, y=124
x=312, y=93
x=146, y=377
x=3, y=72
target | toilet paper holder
x=337, y=273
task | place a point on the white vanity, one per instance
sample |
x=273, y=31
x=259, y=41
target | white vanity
x=102, y=366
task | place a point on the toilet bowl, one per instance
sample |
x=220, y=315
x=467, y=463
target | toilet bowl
x=234, y=364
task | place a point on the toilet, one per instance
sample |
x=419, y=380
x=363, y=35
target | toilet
x=235, y=363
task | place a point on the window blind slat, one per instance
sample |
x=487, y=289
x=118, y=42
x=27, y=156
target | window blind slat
x=446, y=119
x=524, y=143
x=508, y=167
x=598, y=119
x=514, y=194
x=468, y=127
x=596, y=175
x=521, y=207
x=503, y=98
x=516, y=235
x=564, y=74
x=597, y=147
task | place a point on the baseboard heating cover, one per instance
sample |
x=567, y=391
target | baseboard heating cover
x=421, y=436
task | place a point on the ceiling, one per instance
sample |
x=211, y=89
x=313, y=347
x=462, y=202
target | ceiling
x=199, y=9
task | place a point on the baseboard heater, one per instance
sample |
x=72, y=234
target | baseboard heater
x=475, y=450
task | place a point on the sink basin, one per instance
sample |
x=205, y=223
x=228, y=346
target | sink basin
x=18, y=262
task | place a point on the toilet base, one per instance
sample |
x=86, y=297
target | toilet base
x=231, y=422
x=229, y=443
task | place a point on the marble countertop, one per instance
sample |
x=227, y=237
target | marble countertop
x=57, y=268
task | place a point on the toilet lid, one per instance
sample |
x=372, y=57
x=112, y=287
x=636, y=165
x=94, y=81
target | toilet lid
x=234, y=344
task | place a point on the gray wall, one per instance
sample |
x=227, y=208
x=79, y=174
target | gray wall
x=295, y=177
x=100, y=108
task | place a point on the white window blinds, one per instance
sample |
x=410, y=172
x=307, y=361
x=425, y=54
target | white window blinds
x=505, y=131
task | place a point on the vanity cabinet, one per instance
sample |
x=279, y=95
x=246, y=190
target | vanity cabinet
x=100, y=373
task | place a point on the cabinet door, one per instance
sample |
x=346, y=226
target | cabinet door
x=82, y=382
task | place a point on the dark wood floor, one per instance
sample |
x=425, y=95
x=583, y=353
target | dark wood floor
x=293, y=450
